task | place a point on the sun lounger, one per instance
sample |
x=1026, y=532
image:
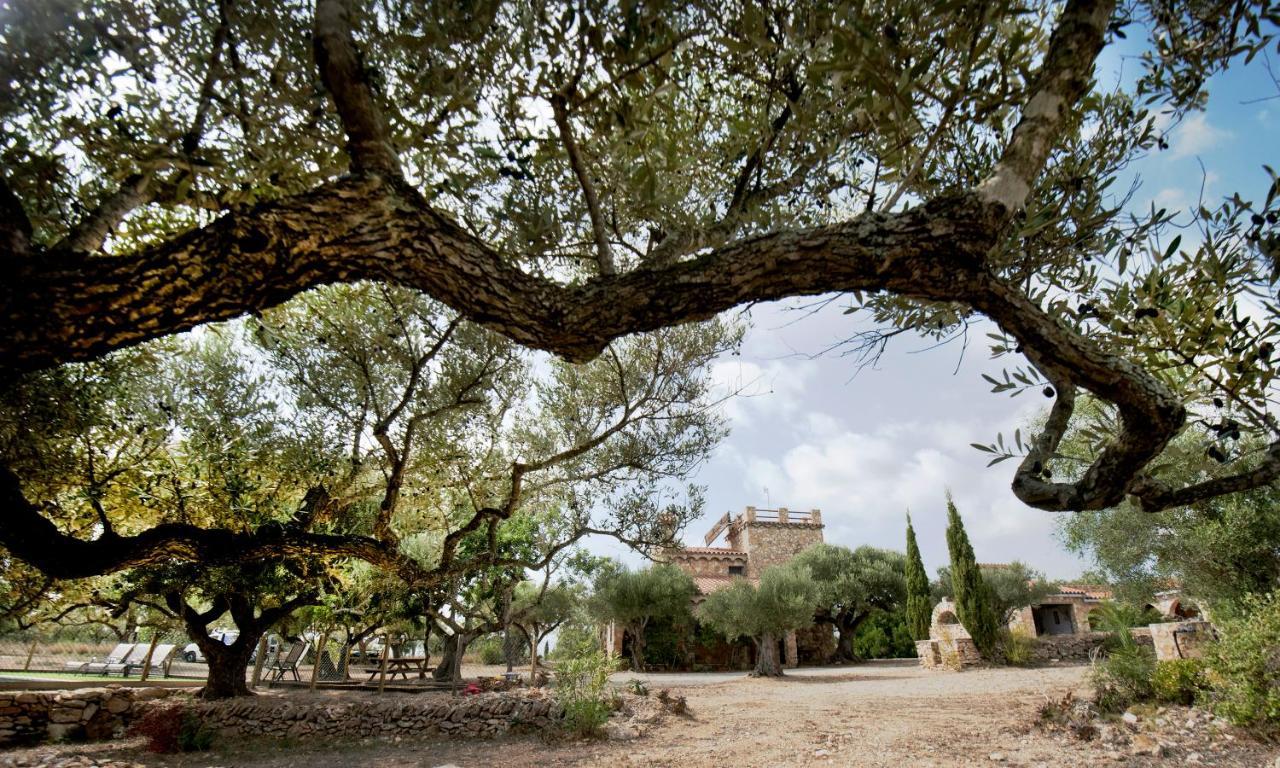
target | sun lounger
x=99, y=666
x=134, y=659
x=161, y=657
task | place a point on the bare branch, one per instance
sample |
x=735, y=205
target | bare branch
x=599, y=228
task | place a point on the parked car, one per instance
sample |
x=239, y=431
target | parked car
x=191, y=652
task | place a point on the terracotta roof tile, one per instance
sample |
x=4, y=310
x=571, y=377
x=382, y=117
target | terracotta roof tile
x=1093, y=591
x=708, y=551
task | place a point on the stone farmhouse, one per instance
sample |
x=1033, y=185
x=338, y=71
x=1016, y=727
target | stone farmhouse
x=753, y=540
x=1063, y=628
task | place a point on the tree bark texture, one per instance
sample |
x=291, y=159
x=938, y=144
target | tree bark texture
x=767, y=662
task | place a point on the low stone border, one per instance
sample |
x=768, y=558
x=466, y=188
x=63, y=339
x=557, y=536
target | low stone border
x=479, y=716
x=30, y=717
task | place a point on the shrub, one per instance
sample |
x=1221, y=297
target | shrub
x=1017, y=647
x=1244, y=665
x=1124, y=677
x=582, y=688
x=1178, y=681
x=170, y=729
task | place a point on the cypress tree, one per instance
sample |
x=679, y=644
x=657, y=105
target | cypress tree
x=919, y=602
x=974, y=606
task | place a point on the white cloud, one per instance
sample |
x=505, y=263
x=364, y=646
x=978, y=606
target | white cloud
x=1172, y=198
x=755, y=390
x=1194, y=135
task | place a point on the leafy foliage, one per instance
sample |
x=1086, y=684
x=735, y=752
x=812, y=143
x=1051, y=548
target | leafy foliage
x=1124, y=676
x=783, y=601
x=1179, y=681
x=1219, y=550
x=634, y=598
x=1017, y=647
x=582, y=688
x=851, y=584
x=1244, y=665
x=884, y=635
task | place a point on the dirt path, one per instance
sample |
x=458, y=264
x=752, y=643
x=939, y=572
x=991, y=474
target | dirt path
x=880, y=714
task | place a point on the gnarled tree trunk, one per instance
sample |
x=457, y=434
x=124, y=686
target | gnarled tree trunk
x=767, y=662
x=227, y=664
x=450, y=666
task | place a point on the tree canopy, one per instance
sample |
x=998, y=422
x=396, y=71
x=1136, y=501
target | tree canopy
x=782, y=601
x=568, y=174
x=635, y=598
x=850, y=584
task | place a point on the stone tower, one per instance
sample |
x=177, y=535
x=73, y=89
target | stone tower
x=769, y=536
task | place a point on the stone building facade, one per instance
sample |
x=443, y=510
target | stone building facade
x=753, y=540
x=1065, y=612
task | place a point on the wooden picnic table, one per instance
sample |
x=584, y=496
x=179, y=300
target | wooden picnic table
x=402, y=665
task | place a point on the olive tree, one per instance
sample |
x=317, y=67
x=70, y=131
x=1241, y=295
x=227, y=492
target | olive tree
x=850, y=585
x=765, y=612
x=568, y=174
x=633, y=598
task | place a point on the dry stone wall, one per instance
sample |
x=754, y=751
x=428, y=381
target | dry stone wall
x=478, y=716
x=28, y=717
x=1078, y=647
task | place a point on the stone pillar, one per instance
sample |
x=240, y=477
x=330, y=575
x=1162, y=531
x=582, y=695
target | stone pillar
x=815, y=516
x=784, y=515
x=751, y=514
x=793, y=651
x=927, y=651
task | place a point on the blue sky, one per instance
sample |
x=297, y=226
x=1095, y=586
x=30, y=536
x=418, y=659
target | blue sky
x=865, y=448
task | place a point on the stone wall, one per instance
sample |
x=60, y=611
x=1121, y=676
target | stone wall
x=482, y=716
x=770, y=543
x=1077, y=647
x=28, y=717
x=707, y=563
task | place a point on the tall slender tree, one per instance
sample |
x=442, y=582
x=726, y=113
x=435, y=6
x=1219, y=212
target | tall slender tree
x=919, y=603
x=974, y=605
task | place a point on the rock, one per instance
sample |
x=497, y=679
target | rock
x=821, y=753
x=1194, y=758
x=1143, y=744
x=997, y=757
x=1129, y=718
x=618, y=732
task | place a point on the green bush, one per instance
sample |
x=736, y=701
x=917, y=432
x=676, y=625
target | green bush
x=1244, y=665
x=582, y=688
x=489, y=650
x=1178, y=681
x=1124, y=677
x=575, y=639
x=1017, y=647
